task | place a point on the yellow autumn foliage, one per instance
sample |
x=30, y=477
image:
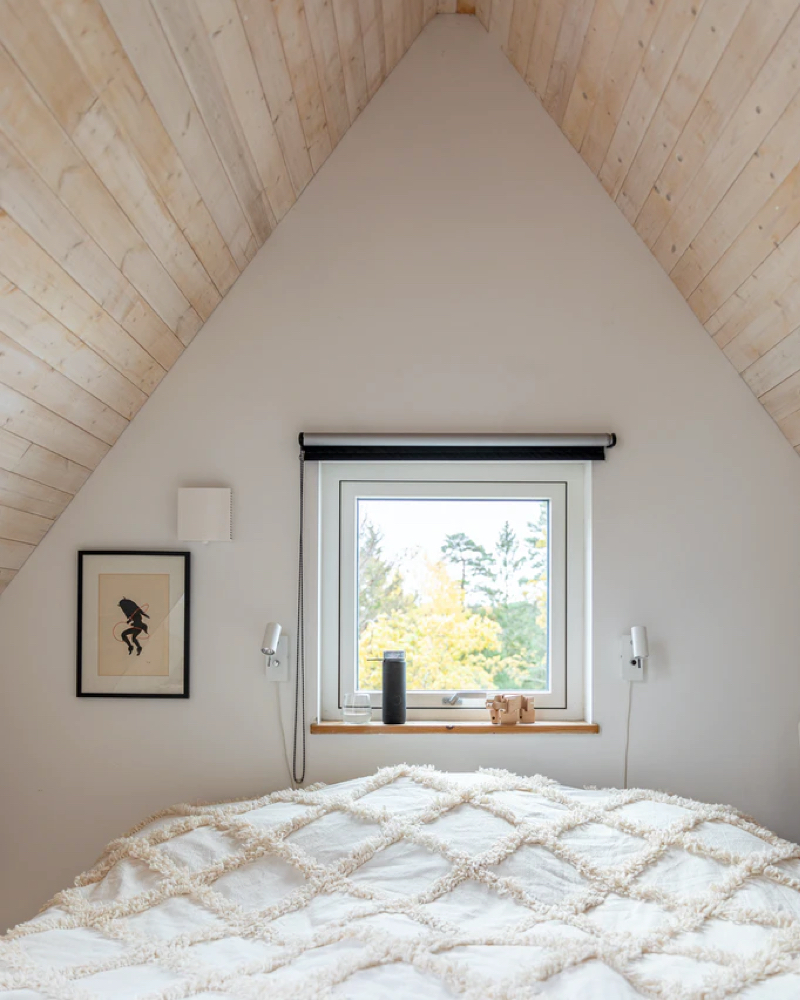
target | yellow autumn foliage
x=447, y=648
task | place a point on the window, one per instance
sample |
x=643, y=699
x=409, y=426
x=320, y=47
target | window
x=477, y=571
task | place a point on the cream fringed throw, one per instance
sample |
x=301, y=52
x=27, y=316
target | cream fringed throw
x=414, y=883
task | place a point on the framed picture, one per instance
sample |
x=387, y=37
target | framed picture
x=133, y=624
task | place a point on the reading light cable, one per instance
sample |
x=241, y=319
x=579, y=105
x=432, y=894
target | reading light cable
x=300, y=675
x=279, y=709
x=627, y=735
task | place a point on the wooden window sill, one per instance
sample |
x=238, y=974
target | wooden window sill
x=339, y=728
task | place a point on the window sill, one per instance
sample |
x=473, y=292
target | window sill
x=339, y=728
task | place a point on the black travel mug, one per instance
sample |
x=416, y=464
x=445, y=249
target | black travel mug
x=394, y=687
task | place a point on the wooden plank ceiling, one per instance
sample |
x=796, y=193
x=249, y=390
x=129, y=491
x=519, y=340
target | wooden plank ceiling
x=147, y=150
x=149, y=147
x=688, y=112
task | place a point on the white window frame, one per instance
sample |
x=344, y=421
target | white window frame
x=566, y=487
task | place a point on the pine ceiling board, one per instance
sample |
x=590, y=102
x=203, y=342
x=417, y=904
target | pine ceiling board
x=666, y=46
x=25, y=322
x=192, y=49
x=6, y=576
x=764, y=233
x=266, y=47
x=145, y=45
x=232, y=52
x=325, y=46
x=598, y=45
x=630, y=45
x=41, y=465
x=125, y=179
x=37, y=209
x=784, y=399
x=25, y=264
x=775, y=365
x=750, y=46
x=765, y=332
x=31, y=128
x=762, y=107
x=716, y=22
x=92, y=41
x=756, y=191
x=414, y=14
x=27, y=20
x=351, y=45
x=30, y=505
x=567, y=54
x=35, y=423
x=739, y=312
x=543, y=44
x=20, y=526
x=28, y=495
x=374, y=42
x=32, y=377
x=28, y=32
x=393, y=32
x=765, y=309
x=791, y=428
x=12, y=450
x=293, y=29
x=520, y=34
x=13, y=554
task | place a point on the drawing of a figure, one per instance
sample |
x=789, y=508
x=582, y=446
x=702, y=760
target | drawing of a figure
x=134, y=615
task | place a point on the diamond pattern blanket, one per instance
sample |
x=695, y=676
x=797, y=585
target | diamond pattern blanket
x=415, y=883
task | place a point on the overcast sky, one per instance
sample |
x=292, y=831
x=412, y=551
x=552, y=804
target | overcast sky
x=419, y=527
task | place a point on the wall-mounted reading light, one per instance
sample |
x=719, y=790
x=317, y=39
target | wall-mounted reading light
x=639, y=643
x=634, y=653
x=275, y=646
x=269, y=645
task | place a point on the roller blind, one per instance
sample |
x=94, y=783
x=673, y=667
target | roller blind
x=455, y=447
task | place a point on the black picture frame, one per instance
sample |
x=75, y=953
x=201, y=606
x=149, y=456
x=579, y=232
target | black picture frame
x=83, y=554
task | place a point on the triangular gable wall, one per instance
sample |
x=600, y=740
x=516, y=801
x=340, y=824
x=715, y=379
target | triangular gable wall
x=148, y=150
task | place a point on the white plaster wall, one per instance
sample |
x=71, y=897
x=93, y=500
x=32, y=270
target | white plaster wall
x=454, y=267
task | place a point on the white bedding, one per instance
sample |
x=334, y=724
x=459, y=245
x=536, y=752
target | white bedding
x=414, y=883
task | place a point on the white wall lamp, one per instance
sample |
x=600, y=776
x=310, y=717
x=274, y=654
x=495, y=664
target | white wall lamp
x=634, y=653
x=275, y=647
x=269, y=645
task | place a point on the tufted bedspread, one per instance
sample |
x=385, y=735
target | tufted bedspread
x=415, y=883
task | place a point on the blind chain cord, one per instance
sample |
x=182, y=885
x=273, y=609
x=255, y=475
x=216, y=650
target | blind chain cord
x=300, y=674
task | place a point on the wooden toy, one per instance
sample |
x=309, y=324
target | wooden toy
x=509, y=709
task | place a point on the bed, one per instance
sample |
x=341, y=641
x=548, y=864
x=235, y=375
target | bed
x=417, y=883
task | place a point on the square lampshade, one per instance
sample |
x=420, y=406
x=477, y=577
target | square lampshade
x=204, y=514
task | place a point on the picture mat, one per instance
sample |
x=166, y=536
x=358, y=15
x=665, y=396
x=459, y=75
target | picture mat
x=174, y=566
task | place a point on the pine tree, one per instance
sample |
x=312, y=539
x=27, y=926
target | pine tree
x=472, y=559
x=380, y=586
x=536, y=542
x=509, y=562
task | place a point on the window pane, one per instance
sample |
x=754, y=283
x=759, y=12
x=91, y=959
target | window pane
x=461, y=586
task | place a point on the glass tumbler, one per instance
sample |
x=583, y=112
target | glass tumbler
x=357, y=709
